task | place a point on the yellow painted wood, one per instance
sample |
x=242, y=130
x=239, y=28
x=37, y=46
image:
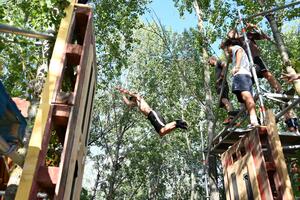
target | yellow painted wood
x=38, y=131
x=278, y=156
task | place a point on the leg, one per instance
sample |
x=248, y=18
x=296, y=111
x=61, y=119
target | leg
x=171, y=126
x=250, y=105
x=227, y=104
x=167, y=128
x=272, y=81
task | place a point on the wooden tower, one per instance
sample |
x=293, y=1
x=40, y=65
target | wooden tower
x=65, y=111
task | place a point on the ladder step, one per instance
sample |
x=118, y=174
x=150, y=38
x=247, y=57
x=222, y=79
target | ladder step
x=262, y=130
x=270, y=167
x=73, y=54
x=61, y=114
x=48, y=177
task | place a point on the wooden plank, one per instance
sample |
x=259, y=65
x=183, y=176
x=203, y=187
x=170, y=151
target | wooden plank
x=81, y=162
x=80, y=120
x=278, y=157
x=63, y=189
x=226, y=162
x=254, y=147
x=89, y=109
x=74, y=53
x=35, y=144
x=252, y=176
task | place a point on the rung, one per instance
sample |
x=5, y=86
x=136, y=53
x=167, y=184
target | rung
x=48, y=177
x=270, y=166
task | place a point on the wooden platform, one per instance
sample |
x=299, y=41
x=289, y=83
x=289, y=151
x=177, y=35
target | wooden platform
x=227, y=138
x=254, y=165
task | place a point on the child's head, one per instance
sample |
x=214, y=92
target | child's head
x=232, y=34
x=212, y=61
x=229, y=43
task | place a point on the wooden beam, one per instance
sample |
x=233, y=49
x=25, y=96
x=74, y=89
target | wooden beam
x=35, y=145
x=285, y=186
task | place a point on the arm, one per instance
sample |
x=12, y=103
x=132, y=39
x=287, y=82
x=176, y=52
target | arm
x=290, y=77
x=224, y=67
x=237, y=66
x=124, y=91
x=259, y=34
x=127, y=102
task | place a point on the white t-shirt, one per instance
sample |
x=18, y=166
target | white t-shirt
x=244, y=65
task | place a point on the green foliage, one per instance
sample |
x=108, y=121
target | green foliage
x=164, y=68
x=114, y=24
x=85, y=195
x=21, y=56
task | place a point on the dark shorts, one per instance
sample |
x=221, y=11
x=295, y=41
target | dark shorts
x=293, y=122
x=224, y=94
x=156, y=120
x=260, y=66
x=240, y=83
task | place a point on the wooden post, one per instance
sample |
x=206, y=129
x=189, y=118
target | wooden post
x=41, y=123
x=283, y=183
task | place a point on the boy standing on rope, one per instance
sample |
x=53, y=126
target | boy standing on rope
x=220, y=68
x=242, y=77
x=161, y=127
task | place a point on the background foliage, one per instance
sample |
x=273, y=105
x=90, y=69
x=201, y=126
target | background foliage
x=131, y=161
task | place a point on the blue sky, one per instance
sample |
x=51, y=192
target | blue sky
x=169, y=15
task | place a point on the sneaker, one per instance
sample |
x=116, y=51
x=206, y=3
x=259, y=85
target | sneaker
x=233, y=113
x=252, y=126
x=181, y=124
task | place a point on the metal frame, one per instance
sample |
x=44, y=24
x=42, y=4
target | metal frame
x=272, y=10
x=28, y=33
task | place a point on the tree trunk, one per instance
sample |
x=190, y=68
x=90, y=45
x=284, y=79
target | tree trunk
x=97, y=182
x=214, y=193
x=281, y=46
x=194, y=193
x=213, y=178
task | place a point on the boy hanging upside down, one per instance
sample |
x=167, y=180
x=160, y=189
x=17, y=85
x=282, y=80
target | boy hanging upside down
x=159, y=123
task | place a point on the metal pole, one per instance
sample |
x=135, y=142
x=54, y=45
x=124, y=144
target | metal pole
x=204, y=161
x=18, y=31
x=262, y=107
x=272, y=10
x=287, y=109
